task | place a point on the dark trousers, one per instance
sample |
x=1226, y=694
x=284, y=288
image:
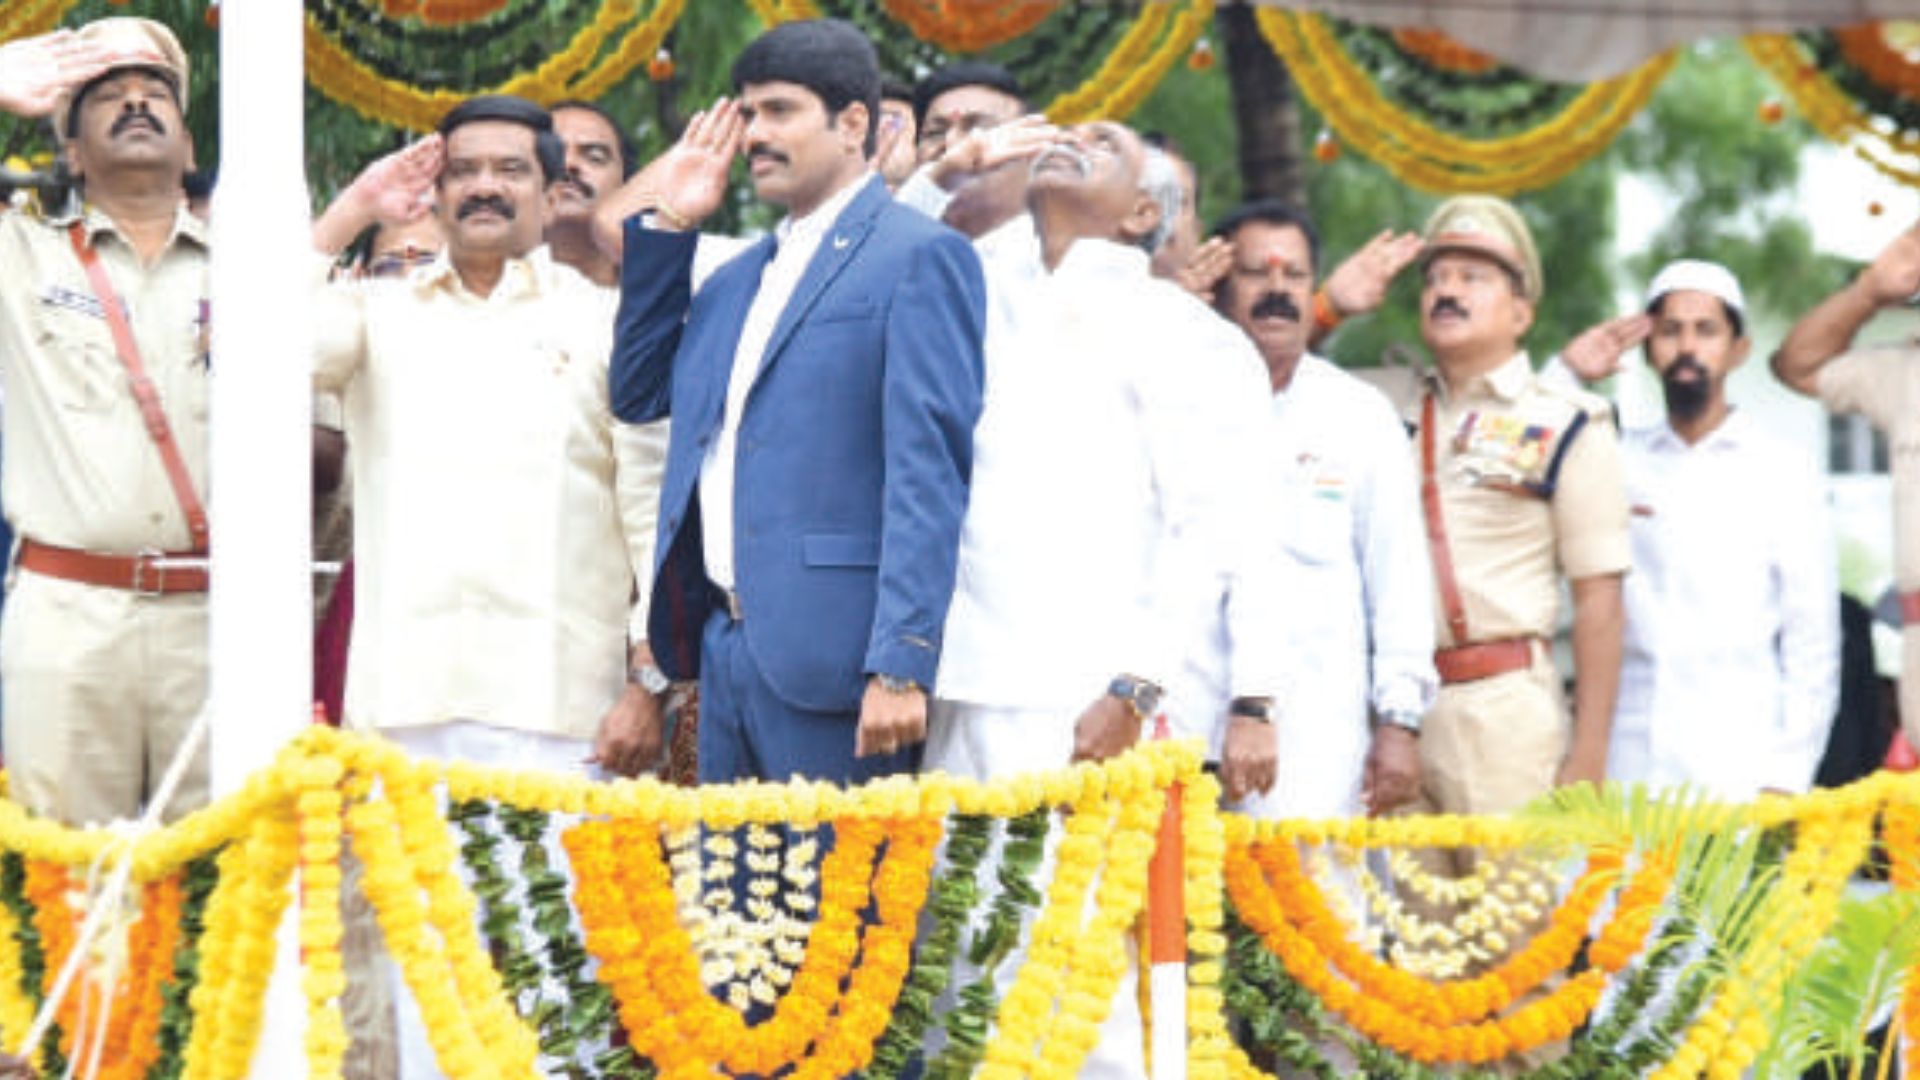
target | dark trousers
x=748, y=733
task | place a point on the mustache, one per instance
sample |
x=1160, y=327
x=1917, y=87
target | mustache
x=1275, y=305
x=1446, y=304
x=478, y=203
x=137, y=116
x=580, y=184
x=1687, y=362
x=767, y=152
x=1065, y=152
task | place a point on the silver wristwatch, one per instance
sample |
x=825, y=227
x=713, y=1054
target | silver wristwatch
x=650, y=678
x=1405, y=719
x=1140, y=695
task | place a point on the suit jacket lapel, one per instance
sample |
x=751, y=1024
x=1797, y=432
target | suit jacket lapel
x=836, y=250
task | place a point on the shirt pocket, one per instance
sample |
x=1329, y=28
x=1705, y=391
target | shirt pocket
x=84, y=373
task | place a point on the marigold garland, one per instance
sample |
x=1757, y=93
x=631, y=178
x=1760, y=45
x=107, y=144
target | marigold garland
x=578, y=70
x=1832, y=112
x=1440, y=161
x=967, y=27
x=27, y=18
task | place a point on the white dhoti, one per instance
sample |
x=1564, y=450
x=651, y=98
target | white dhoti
x=978, y=742
x=482, y=744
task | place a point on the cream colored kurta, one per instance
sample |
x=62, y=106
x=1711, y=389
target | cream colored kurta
x=502, y=515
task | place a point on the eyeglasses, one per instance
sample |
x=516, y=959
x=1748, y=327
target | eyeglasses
x=400, y=263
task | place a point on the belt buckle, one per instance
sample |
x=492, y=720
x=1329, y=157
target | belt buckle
x=149, y=561
x=734, y=610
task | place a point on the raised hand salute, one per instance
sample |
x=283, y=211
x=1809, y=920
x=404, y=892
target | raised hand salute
x=36, y=72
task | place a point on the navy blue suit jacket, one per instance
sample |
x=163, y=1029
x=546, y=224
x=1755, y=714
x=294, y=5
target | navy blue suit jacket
x=853, y=454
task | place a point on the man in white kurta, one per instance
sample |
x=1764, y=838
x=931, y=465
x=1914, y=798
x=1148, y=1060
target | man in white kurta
x=1117, y=510
x=503, y=517
x=1361, y=630
x=1731, y=669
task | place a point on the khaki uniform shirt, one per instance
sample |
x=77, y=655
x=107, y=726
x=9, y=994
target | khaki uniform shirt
x=1530, y=489
x=501, y=515
x=81, y=471
x=1882, y=383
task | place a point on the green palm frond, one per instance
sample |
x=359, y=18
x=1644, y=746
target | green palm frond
x=1854, y=975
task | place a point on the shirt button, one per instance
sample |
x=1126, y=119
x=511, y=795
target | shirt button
x=154, y=518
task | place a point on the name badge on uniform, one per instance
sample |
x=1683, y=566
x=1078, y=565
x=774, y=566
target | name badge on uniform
x=84, y=303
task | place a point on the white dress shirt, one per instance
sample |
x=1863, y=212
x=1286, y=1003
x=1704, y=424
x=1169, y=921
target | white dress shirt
x=1120, y=510
x=1731, y=672
x=502, y=517
x=1361, y=620
x=798, y=239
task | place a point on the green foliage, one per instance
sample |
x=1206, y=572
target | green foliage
x=1731, y=178
x=1831, y=1002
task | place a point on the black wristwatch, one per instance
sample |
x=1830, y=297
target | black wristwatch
x=1141, y=695
x=1261, y=709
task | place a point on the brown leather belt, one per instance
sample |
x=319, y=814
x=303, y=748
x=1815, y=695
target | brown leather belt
x=1910, y=609
x=154, y=573
x=1483, y=660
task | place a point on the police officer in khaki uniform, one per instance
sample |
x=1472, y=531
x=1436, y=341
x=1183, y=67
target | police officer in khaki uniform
x=1882, y=382
x=103, y=353
x=1521, y=485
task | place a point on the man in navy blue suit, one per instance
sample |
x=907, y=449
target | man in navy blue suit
x=823, y=386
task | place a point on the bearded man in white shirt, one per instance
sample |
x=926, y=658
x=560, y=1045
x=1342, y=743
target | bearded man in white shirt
x=1362, y=627
x=1731, y=669
x=1120, y=546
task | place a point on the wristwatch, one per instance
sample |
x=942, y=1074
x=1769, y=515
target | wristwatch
x=650, y=678
x=1261, y=709
x=1405, y=719
x=1141, y=695
x=894, y=684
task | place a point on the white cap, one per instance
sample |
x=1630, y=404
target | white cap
x=1696, y=275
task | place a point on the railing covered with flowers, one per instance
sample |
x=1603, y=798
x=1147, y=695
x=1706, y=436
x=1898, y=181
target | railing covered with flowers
x=813, y=931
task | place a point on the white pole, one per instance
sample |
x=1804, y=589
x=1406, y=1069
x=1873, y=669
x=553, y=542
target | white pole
x=262, y=600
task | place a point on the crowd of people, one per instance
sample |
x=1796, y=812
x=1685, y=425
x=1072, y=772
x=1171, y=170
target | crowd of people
x=984, y=459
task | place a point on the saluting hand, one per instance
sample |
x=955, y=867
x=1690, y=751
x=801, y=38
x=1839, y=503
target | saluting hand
x=1206, y=268
x=398, y=188
x=35, y=71
x=1359, y=284
x=683, y=186
x=1596, y=353
x=1894, y=276
x=986, y=149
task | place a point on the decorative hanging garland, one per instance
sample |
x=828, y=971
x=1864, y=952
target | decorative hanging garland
x=1855, y=87
x=26, y=18
x=1041, y=41
x=604, y=50
x=1499, y=133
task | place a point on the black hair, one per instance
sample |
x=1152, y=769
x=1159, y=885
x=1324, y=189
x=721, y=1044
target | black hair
x=965, y=73
x=1733, y=317
x=895, y=90
x=80, y=95
x=1272, y=212
x=628, y=154
x=547, y=147
x=830, y=57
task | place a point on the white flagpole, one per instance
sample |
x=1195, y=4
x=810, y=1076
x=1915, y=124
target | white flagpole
x=261, y=605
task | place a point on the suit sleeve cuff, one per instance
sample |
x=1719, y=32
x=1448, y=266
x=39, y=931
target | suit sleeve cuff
x=905, y=657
